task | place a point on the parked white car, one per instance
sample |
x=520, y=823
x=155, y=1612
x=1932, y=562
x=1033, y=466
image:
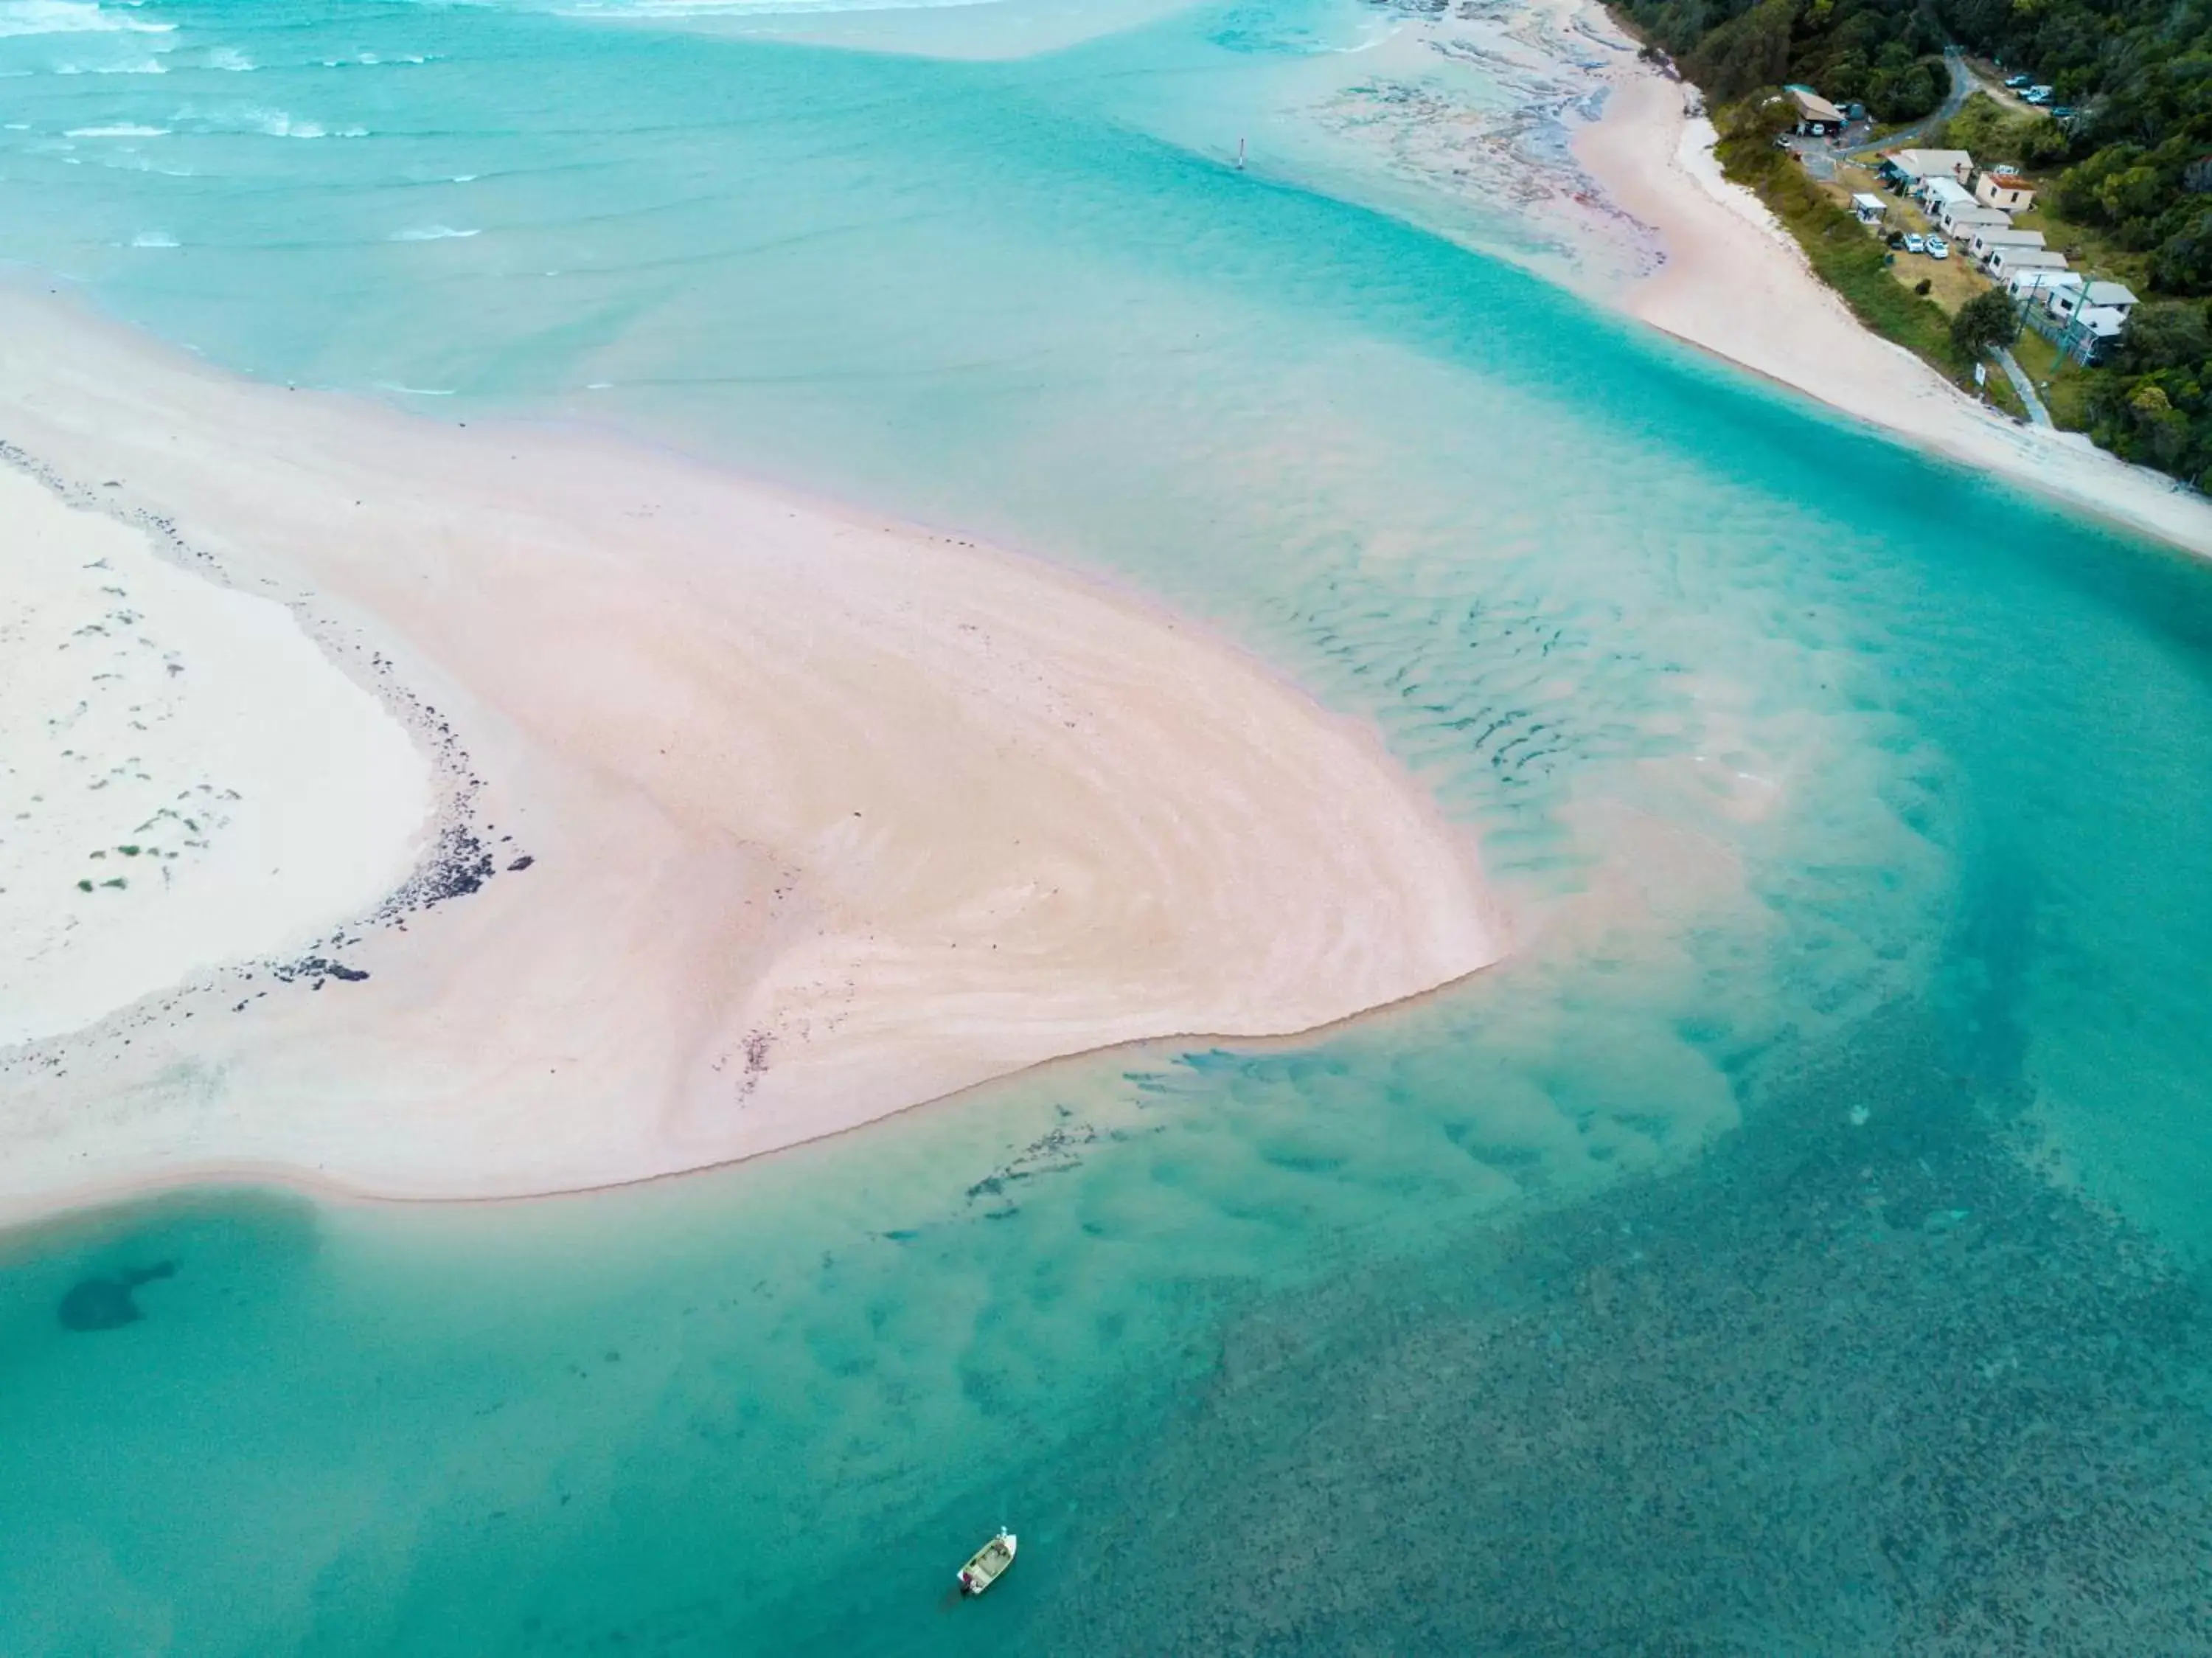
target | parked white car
x=1914, y=243
x=1938, y=248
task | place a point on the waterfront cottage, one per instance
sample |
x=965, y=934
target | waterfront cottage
x=2085, y=320
x=2004, y=264
x=1941, y=192
x=1989, y=236
x=1911, y=168
x=1997, y=188
x=2094, y=297
x=1962, y=219
x=2034, y=284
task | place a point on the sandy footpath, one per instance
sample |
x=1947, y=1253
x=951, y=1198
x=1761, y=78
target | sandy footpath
x=753, y=822
x=1734, y=282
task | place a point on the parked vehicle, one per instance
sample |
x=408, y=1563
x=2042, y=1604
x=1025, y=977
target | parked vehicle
x=1938, y=248
x=1914, y=243
x=2016, y=81
x=2036, y=96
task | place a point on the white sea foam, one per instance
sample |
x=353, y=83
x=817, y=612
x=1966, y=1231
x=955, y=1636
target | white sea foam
x=271, y=123
x=69, y=17
x=153, y=239
x=431, y=233
x=414, y=391
x=119, y=131
x=230, y=59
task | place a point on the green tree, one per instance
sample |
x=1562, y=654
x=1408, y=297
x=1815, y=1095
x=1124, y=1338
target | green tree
x=2164, y=337
x=1984, y=322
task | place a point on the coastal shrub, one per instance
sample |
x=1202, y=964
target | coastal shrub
x=1902, y=88
x=1747, y=51
x=2164, y=337
x=2183, y=263
x=1984, y=323
x=2150, y=404
x=1983, y=128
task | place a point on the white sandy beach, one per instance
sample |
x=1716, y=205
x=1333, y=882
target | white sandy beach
x=1734, y=282
x=790, y=820
x=186, y=779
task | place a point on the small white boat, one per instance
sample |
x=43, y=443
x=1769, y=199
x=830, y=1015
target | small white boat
x=984, y=1566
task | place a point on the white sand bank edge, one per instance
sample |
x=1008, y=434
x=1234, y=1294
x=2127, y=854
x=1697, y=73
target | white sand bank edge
x=1734, y=284
x=186, y=779
x=816, y=820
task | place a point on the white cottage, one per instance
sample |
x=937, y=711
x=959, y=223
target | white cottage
x=1989, y=237
x=1913, y=167
x=2004, y=264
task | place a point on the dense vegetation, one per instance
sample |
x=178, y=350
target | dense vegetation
x=1985, y=128
x=2153, y=404
x=1884, y=54
x=2130, y=169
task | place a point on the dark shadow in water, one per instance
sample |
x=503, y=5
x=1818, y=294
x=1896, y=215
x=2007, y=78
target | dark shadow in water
x=1851, y=1385
x=109, y=1303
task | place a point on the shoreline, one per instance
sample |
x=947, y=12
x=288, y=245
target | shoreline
x=1732, y=284
x=29, y=1222
x=743, y=776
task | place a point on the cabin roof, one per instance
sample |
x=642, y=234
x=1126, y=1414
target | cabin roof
x=1922, y=162
x=1812, y=105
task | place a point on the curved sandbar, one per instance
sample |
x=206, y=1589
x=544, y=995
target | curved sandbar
x=822, y=819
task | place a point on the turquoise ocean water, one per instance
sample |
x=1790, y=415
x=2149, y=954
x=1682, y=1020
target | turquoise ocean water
x=1799, y=1247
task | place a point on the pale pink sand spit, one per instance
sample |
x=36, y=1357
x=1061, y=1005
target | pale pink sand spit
x=825, y=817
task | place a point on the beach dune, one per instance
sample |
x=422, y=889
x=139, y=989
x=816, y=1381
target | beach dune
x=783, y=819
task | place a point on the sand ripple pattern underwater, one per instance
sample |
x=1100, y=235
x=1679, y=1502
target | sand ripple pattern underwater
x=1799, y=1246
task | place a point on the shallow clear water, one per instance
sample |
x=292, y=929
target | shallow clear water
x=1852, y=806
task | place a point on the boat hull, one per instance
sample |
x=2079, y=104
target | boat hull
x=987, y=1565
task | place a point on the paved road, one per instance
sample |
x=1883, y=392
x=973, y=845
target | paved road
x=1819, y=157
x=2024, y=386
x=1962, y=88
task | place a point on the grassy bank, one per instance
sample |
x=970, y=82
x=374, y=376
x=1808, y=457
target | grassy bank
x=1849, y=260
